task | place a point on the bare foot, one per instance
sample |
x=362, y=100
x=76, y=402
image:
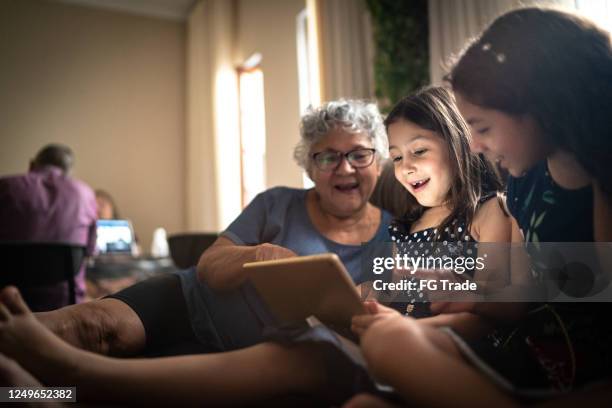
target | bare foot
x=26, y=340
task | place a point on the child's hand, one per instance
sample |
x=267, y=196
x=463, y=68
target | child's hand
x=373, y=307
x=375, y=312
x=436, y=274
x=366, y=292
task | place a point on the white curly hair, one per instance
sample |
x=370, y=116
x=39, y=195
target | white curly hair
x=352, y=116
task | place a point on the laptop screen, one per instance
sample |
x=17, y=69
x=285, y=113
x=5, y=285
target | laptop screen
x=114, y=236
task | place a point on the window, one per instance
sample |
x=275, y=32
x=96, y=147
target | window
x=308, y=62
x=600, y=11
x=252, y=129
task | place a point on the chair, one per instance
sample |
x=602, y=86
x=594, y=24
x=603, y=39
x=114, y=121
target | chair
x=33, y=267
x=186, y=249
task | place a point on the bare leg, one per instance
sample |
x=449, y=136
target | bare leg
x=247, y=375
x=106, y=326
x=424, y=366
x=13, y=375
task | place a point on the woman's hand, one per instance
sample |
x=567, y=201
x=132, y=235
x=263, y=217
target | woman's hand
x=220, y=266
x=375, y=312
x=268, y=252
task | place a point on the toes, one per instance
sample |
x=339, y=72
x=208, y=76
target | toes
x=11, y=297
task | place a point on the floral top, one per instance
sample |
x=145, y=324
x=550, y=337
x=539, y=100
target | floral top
x=570, y=341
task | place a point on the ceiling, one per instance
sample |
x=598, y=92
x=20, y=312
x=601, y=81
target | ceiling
x=166, y=9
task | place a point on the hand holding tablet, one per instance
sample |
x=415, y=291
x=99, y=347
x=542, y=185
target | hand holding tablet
x=314, y=285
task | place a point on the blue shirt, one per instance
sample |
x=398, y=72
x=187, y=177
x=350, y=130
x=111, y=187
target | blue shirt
x=279, y=216
x=231, y=320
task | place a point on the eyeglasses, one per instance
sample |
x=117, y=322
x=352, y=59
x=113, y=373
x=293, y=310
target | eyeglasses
x=330, y=160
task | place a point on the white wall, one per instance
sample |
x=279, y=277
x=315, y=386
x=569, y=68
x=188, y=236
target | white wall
x=109, y=85
x=116, y=88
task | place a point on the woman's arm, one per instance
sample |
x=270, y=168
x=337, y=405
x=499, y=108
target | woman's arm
x=514, y=263
x=220, y=266
x=491, y=223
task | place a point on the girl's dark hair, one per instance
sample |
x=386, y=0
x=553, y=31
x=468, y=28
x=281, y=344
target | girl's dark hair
x=434, y=109
x=553, y=66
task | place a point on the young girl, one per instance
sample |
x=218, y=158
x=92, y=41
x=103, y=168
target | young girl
x=453, y=196
x=536, y=89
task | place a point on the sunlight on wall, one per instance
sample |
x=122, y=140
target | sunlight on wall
x=227, y=134
x=314, y=64
x=309, y=68
x=600, y=11
x=253, y=134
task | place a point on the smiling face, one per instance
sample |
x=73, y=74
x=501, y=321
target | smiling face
x=421, y=161
x=515, y=142
x=346, y=190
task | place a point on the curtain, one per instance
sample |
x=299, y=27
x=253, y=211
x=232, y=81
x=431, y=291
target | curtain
x=346, y=50
x=213, y=184
x=453, y=22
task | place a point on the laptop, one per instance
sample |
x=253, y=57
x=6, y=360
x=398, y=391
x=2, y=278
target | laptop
x=114, y=237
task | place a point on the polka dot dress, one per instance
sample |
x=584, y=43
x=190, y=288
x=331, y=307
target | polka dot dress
x=452, y=241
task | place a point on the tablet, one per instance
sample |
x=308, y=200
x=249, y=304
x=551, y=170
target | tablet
x=315, y=285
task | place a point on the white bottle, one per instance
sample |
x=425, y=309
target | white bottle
x=159, y=245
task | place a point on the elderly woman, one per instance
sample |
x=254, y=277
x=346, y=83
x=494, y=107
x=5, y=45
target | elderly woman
x=341, y=147
x=342, y=144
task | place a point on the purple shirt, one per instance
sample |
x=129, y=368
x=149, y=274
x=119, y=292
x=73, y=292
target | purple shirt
x=45, y=205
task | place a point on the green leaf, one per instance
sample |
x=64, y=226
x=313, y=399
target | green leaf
x=548, y=197
x=535, y=240
x=539, y=220
x=528, y=199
